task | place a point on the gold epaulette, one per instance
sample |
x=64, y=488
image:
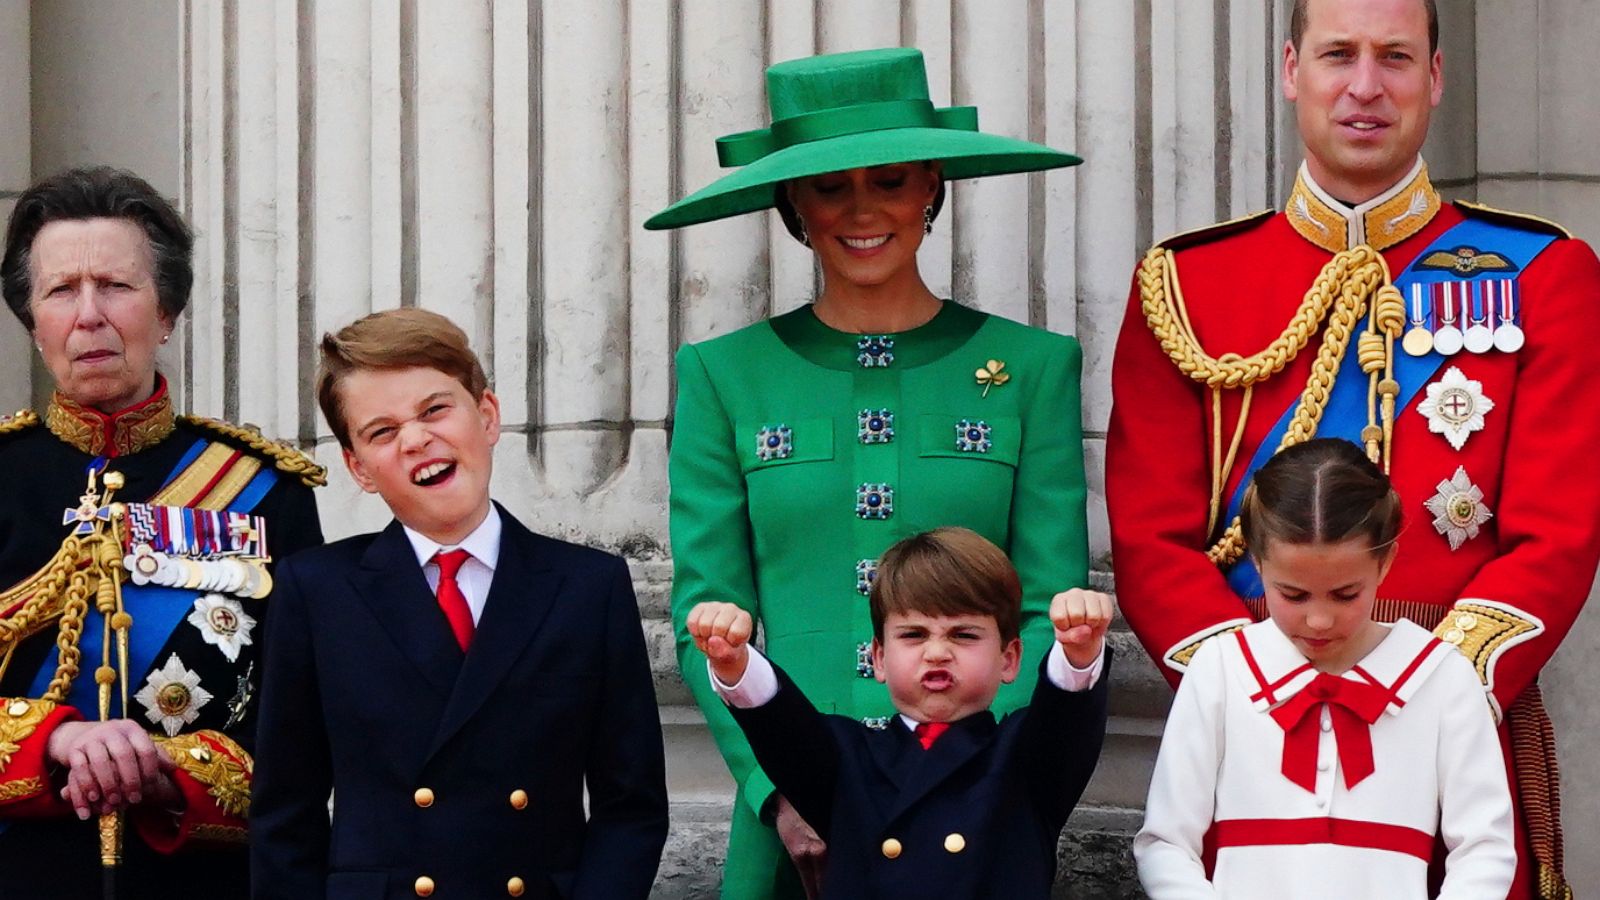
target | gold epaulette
x=21, y=420
x=1512, y=219
x=1205, y=235
x=284, y=457
x=1179, y=655
x=18, y=719
x=1482, y=632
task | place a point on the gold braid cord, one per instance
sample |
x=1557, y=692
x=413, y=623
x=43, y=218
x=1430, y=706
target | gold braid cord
x=1334, y=305
x=1533, y=755
x=19, y=421
x=284, y=457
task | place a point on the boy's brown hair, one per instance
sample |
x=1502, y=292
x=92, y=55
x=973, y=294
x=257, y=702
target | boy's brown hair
x=393, y=339
x=948, y=572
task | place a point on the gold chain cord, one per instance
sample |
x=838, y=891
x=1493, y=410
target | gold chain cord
x=1334, y=305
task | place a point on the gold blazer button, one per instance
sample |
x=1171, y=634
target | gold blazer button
x=954, y=843
x=423, y=886
x=891, y=848
x=515, y=887
x=519, y=799
x=423, y=797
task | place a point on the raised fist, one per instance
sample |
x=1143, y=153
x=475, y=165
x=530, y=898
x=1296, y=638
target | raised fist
x=1081, y=618
x=722, y=632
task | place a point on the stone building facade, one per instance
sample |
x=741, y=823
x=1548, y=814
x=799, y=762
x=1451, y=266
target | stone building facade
x=494, y=160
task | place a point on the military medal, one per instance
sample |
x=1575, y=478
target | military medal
x=1478, y=338
x=1508, y=337
x=172, y=697
x=1447, y=338
x=1458, y=509
x=1455, y=407
x=1418, y=340
x=223, y=623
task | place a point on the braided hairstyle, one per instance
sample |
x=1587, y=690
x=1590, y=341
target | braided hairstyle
x=1322, y=491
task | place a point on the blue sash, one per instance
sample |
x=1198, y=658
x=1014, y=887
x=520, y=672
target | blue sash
x=1346, y=413
x=157, y=611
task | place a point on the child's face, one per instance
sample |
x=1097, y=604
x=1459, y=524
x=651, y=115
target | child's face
x=418, y=439
x=1321, y=597
x=942, y=668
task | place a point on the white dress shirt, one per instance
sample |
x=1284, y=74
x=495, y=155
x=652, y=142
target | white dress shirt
x=483, y=545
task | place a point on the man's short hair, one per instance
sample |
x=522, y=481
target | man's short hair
x=389, y=340
x=99, y=192
x=1297, y=24
x=947, y=572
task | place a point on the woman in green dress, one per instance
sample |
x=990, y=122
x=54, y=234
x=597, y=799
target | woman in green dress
x=806, y=444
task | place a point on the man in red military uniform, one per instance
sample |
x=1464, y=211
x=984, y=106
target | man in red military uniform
x=1465, y=378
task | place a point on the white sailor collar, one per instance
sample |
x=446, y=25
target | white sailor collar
x=1400, y=664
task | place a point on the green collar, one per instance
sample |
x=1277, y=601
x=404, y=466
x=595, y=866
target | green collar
x=931, y=341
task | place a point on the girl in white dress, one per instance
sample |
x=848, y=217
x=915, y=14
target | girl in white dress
x=1326, y=754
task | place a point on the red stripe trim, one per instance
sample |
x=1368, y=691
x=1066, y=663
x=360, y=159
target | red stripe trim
x=1293, y=674
x=1426, y=651
x=1340, y=832
x=206, y=489
x=1250, y=660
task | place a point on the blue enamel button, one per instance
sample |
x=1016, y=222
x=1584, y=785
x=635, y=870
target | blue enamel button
x=973, y=437
x=875, y=426
x=874, y=352
x=866, y=571
x=874, y=501
x=774, y=442
x=864, y=660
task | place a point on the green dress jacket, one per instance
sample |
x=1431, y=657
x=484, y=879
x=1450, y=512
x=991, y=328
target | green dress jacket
x=800, y=453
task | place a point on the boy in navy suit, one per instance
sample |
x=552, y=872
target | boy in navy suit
x=940, y=800
x=455, y=680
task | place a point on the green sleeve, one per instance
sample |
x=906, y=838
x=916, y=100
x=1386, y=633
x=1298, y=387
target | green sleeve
x=1049, y=529
x=711, y=551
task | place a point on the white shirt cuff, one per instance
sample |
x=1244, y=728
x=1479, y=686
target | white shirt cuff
x=1061, y=672
x=757, y=688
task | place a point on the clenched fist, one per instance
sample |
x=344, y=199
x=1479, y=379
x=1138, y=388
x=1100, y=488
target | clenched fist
x=1081, y=618
x=722, y=632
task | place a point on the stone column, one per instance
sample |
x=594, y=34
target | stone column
x=15, y=171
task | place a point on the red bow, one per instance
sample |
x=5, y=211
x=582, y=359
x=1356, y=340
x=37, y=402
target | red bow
x=1352, y=705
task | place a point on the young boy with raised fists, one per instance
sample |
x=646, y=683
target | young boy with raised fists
x=940, y=799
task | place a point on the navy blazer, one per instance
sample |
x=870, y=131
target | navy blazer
x=467, y=770
x=977, y=815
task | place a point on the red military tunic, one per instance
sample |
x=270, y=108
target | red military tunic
x=1505, y=596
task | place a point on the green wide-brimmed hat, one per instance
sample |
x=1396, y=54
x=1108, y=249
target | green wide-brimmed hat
x=848, y=111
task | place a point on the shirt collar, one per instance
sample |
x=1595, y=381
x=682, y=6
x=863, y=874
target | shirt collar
x=1385, y=220
x=139, y=427
x=1400, y=663
x=483, y=543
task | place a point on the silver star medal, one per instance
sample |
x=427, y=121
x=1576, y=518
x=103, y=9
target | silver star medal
x=172, y=696
x=223, y=622
x=1455, y=407
x=1458, y=509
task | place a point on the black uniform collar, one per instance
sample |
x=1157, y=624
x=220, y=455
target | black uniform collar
x=136, y=428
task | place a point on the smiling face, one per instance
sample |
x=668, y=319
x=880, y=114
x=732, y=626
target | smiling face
x=96, y=318
x=1321, y=597
x=419, y=439
x=865, y=225
x=1364, y=85
x=943, y=668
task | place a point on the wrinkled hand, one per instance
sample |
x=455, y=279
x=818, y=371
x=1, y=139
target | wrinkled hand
x=1081, y=618
x=722, y=632
x=809, y=852
x=112, y=765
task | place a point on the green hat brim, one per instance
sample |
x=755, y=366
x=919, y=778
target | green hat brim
x=962, y=154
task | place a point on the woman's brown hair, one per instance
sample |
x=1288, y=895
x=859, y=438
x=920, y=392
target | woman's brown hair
x=947, y=572
x=1323, y=491
x=407, y=338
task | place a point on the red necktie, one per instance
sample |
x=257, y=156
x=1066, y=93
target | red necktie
x=1352, y=706
x=928, y=732
x=451, y=600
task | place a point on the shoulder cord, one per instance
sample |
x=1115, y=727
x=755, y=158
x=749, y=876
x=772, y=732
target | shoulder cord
x=1344, y=286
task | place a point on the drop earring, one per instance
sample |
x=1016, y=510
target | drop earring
x=927, y=219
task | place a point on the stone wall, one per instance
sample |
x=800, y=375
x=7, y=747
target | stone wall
x=493, y=161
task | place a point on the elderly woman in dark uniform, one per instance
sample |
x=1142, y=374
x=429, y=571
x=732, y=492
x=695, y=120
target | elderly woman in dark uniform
x=135, y=550
x=806, y=444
